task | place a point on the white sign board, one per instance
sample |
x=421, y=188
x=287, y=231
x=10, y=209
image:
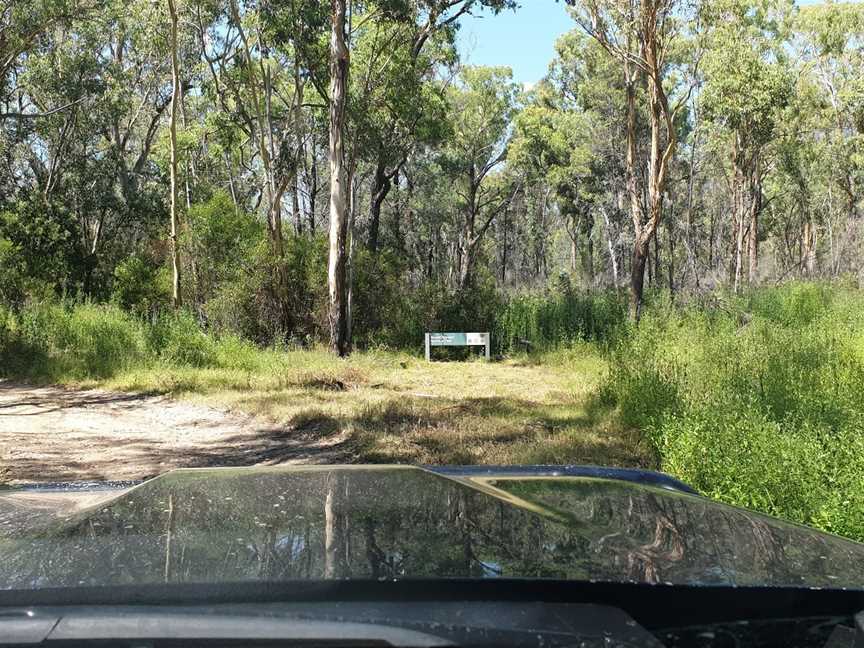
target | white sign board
x=457, y=339
x=477, y=339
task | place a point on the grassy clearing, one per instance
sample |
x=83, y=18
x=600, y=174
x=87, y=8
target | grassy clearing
x=399, y=409
x=393, y=406
x=754, y=400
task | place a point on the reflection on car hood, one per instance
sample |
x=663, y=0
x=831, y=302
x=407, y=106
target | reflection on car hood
x=280, y=524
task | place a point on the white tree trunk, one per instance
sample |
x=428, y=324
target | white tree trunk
x=176, y=297
x=336, y=274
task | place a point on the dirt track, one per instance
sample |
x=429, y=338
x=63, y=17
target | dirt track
x=56, y=434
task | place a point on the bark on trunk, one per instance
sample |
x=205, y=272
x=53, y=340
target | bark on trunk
x=272, y=190
x=352, y=219
x=738, y=164
x=809, y=248
x=640, y=248
x=298, y=148
x=613, y=254
x=588, y=259
x=176, y=296
x=755, y=210
x=313, y=190
x=661, y=154
x=380, y=188
x=337, y=279
x=637, y=277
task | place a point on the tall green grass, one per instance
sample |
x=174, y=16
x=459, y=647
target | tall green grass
x=73, y=342
x=558, y=320
x=61, y=342
x=756, y=401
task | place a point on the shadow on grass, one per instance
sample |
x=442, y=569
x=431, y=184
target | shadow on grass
x=495, y=431
x=398, y=429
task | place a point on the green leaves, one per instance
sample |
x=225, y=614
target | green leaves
x=747, y=78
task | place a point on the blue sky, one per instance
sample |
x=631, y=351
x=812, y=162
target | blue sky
x=524, y=39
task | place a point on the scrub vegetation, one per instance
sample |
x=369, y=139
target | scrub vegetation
x=752, y=399
x=264, y=206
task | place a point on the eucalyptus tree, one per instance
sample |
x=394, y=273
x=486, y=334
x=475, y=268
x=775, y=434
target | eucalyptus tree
x=484, y=102
x=641, y=35
x=821, y=138
x=554, y=147
x=410, y=110
x=337, y=277
x=585, y=80
x=172, y=129
x=426, y=19
x=747, y=83
x=398, y=102
x=89, y=168
x=24, y=26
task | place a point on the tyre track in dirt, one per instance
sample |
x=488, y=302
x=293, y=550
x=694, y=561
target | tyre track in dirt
x=55, y=434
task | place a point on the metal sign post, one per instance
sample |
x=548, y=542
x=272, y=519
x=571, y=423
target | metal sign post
x=458, y=339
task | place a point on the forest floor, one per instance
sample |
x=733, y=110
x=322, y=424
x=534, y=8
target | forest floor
x=370, y=409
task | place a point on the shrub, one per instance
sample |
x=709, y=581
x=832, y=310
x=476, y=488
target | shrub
x=558, y=319
x=755, y=401
x=177, y=339
x=56, y=342
x=141, y=286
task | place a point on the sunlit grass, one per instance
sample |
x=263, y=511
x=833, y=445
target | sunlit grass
x=397, y=408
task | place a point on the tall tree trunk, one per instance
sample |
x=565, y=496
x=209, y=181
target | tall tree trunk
x=809, y=247
x=381, y=185
x=176, y=297
x=689, y=237
x=352, y=219
x=652, y=48
x=613, y=253
x=313, y=188
x=640, y=250
x=739, y=253
x=505, y=248
x=261, y=98
x=755, y=210
x=637, y=277
x=657, y=274
x=588, y=259
x=336, y=275
x=738, y=207
x=298, y=147
x=670, y=233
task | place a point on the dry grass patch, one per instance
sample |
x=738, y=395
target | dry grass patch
x=399, y=409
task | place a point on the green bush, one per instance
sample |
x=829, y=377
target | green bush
x=56, y=342
x=141, y=286
x=177, y=339
x=755, y=401
x=60, y=342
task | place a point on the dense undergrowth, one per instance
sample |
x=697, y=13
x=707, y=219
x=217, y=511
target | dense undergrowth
x=754, y=400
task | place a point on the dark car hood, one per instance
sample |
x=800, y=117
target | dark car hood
x=308, y=523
